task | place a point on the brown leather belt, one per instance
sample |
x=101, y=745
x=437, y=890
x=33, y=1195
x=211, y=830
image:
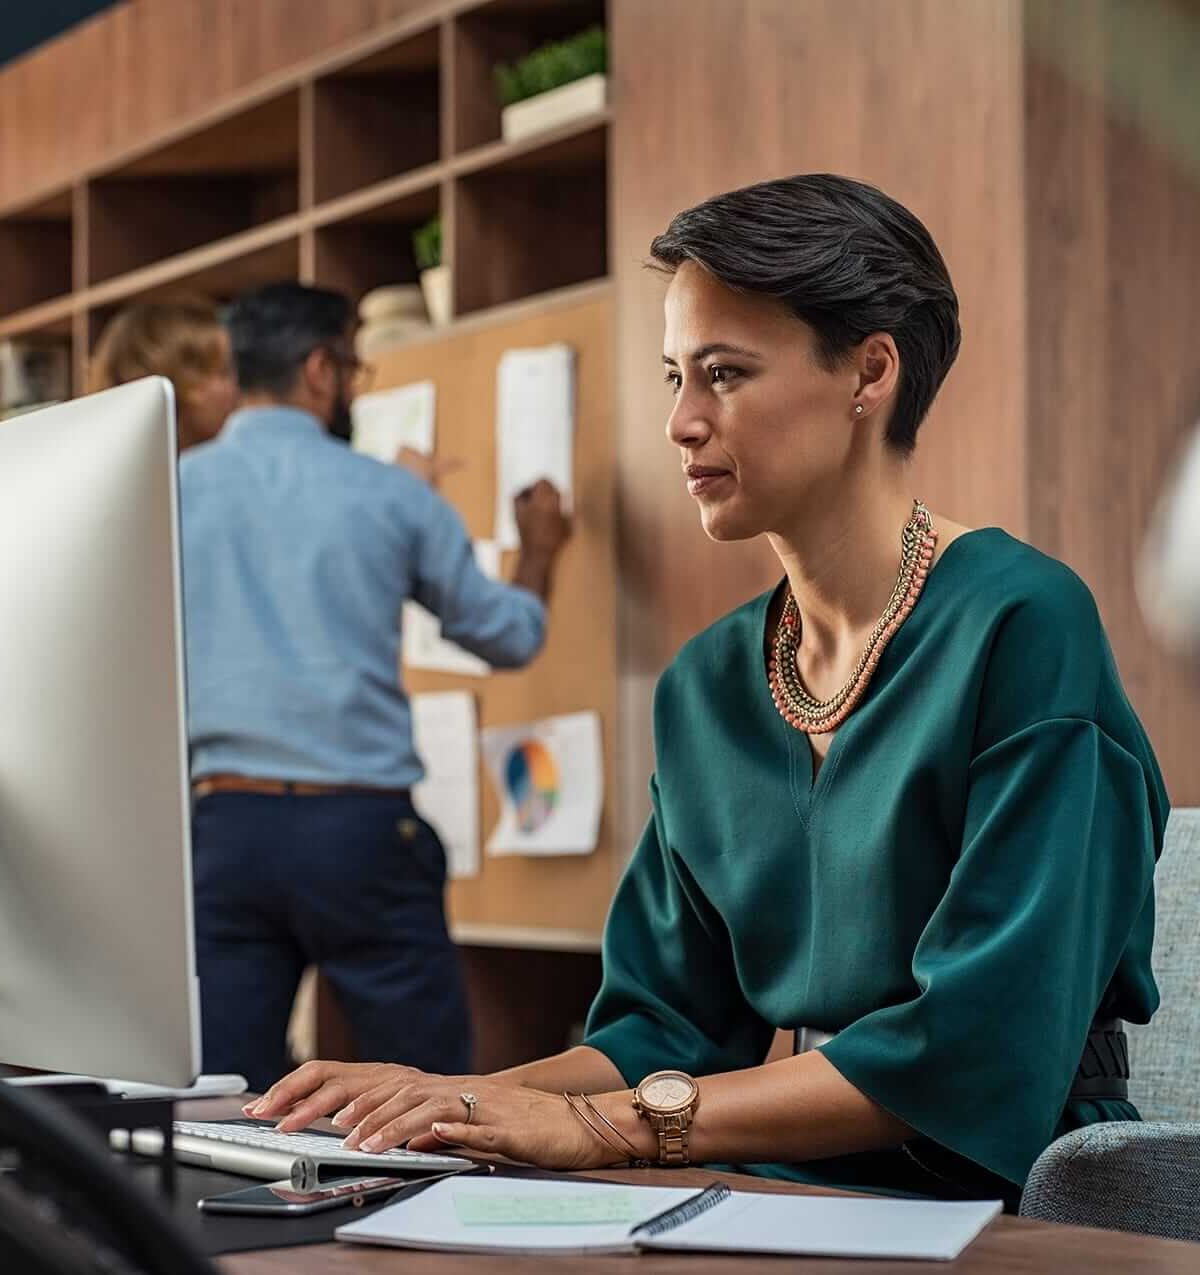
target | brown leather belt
x=206, y=785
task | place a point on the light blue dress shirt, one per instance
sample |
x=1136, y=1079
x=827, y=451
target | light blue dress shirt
x=297, y=556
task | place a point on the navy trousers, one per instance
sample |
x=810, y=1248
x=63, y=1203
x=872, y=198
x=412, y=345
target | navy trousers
x=352, y=883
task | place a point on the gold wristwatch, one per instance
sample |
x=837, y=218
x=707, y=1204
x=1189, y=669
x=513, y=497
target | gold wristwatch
x=667, y=1100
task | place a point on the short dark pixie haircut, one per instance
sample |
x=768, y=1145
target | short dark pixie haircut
x=272, y=331
x=843, y=257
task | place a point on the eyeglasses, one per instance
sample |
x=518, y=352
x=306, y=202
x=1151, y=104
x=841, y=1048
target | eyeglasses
x=360, y=375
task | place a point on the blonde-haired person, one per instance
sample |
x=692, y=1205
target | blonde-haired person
x=184, y=341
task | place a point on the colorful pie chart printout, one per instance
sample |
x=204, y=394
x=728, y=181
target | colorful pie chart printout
x=549, y=778
x=531, y=777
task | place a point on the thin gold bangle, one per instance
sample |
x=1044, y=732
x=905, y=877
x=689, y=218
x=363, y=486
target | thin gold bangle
x=608, y=1142
x=587, y=1120
x=633, y=1151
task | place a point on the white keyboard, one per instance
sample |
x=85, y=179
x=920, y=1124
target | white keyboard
x=256, y=1150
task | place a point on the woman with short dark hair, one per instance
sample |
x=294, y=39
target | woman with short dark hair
x=902, y=804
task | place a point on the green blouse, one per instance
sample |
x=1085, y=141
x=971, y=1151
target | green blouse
x=964, y=886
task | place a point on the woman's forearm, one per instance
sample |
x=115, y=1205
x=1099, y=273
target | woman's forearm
x=579, y=1070
x=796, y=1109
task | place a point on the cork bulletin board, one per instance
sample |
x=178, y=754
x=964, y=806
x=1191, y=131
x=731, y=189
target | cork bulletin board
x=534, y=901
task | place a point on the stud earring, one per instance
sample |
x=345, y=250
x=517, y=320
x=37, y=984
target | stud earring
x=858, y=408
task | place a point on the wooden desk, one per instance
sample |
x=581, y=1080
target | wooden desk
x=1009, y=1246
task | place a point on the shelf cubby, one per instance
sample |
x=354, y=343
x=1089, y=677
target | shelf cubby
x=373, y=246
x=533, y=219
x=220, y=272
x=218, y=275
x=503, y=31
x=225, y=179
x=377, y=117
x=35, y=254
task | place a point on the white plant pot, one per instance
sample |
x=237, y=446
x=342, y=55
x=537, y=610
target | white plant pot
x=372, y=339
x=435, y=284
x=558, y=106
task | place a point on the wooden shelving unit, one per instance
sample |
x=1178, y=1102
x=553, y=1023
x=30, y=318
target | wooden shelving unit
x=322, y=174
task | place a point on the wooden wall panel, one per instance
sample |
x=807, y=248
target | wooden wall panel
x=130, y=73
x=1114, y=371
x=922, y=98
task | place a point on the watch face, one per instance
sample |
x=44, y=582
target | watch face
x=671, y=1091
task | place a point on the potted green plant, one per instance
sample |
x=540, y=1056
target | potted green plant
x=434, y=274
x=556, y=83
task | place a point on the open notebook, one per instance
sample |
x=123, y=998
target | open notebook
x=536, y=1216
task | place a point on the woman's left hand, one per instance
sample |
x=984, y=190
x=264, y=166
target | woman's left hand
x=522, y=1124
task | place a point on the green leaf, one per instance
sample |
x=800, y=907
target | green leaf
x=553, y=65
x=427, y=244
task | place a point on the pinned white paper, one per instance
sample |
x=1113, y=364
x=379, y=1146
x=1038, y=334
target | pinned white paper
x=535, y=425
x=446, y=740
x=388, y=420
x=549, y=776
x=422, y=644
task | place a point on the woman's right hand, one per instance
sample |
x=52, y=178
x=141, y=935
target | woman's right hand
x=351, y=1091
x=319, y=1089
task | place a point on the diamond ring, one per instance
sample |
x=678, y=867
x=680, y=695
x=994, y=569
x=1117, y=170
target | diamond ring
x=469, y=1099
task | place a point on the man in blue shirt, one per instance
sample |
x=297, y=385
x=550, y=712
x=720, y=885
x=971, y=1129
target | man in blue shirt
x=297, y=557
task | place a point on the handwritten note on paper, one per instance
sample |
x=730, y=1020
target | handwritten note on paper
x=549, y=776
x=446, y=739
x=422, y=644
x=557, y=1209
x=390, y=419
x=535, y=425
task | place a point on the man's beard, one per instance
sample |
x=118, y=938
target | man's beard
x=341, y=424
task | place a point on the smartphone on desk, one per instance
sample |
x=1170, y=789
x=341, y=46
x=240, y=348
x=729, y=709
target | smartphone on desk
x=282, y=1200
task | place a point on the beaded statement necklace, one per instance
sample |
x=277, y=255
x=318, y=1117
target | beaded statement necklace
x=816, y=717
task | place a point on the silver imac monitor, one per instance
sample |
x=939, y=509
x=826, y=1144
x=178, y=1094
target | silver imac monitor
x=97, y=967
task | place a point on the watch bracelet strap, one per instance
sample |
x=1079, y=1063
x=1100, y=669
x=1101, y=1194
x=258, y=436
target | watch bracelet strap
x=678, y=1156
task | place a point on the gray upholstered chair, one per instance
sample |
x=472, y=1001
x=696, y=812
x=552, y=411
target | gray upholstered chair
x=1146, y=1177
